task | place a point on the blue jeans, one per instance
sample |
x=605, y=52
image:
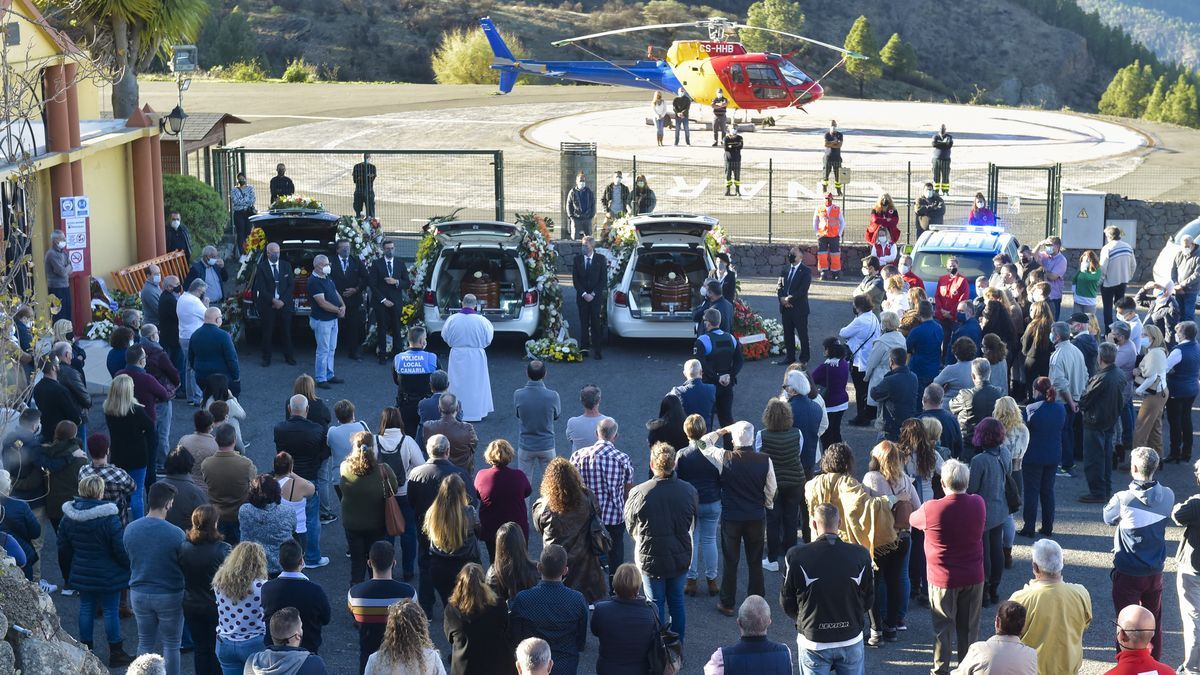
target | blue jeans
x=840, y=660
x=83, y=432
x=1187, y=306
x=1039, y=486
x=190, y=386
x=1127, y=417
x=682, y=123
x=408, y=540
x=137, y=507
x=232, y=654
x=180, y=363
x=326, y=333
x=159, y=625
x=704, y=541
x=1068, y=441
x=162, y=427
x=325, y=482
x=87, y=616
x=665, y=592
x=312, y=520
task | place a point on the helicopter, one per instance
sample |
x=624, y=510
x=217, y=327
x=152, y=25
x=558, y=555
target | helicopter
x=750, y=80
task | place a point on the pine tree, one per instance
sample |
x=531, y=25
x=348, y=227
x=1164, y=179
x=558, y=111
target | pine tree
x=1156, y=101
x=898, y=56
x=782, y=15
x=860, y=39
x=1181, y=105
x=1127, y=93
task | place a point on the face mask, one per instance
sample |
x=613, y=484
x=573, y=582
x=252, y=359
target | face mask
x=389, y=253
x=273, y=257
x=210, y=261
x=175, y=224
x=326, y=270
x=952, y=270
x=883, y=241
x=242, y=182
x=722, y=267
x=155, y=278
x=70, y=336
x=960, y=317
x=929, y=194
x=60, y=245
x=641, y=184
x=866, y=271
x=792, y=258
x=343, y=252
x=904, y=269
x=1049, y=250
x=616, y=180
x=580, y=184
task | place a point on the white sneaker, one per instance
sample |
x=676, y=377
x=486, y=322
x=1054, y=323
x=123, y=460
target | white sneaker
x=69, y=592
x=770, y=566
x=320, y=563
x=47, y=586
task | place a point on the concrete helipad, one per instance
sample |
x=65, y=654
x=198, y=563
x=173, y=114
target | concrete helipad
x=878, y=134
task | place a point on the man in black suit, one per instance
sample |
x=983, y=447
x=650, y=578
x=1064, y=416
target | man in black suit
x=590, y=277
x=793, y=306
x=168, y=325
x=350, y=277
x=714, y=299
x=274, y=284
x=54, y=400
x=389, y=288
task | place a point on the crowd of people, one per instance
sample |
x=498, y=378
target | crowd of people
x=980, y=398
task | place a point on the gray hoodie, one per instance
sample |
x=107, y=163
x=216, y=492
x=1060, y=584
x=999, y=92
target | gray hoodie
x=284, y=660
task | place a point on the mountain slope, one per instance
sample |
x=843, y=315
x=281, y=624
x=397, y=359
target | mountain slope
x=1170, y=28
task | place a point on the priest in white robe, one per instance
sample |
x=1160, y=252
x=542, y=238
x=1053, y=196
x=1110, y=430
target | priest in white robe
x=468, y=334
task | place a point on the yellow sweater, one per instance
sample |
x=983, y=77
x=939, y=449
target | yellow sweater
x=1057, y=615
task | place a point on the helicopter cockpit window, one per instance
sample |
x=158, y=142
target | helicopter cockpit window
x=792, y=74
x=735, y=75
x=762, y=74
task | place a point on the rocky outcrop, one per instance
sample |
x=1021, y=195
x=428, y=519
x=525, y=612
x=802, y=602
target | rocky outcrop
x=34, y=642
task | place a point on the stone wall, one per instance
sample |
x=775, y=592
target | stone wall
x=1156, y=222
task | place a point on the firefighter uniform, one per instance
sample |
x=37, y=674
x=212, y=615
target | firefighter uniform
x=413, y=368
x=720, y=354
x=720, y=108
x=833, y=160
x=942, y=143
x=733, y=163
x=829, y=224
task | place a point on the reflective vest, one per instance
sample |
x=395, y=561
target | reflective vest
x=830, y=221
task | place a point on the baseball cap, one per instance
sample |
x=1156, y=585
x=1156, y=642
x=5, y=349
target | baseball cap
x=1079, y=317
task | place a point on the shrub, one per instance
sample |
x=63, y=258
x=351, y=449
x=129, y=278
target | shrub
x=464, y=57
x=245, y=71
x=203, y=211
x=299, y=71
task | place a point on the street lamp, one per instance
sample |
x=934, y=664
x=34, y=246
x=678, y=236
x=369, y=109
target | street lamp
x=173, y=123
x=184, y=62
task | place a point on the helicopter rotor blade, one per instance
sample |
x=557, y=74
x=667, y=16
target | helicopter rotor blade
x=849, y=54
x=619, y=31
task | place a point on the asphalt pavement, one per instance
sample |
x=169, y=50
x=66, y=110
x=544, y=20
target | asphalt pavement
x=633, y=376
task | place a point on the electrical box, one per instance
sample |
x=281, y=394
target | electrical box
x=1082, y=220
x=1129, y=230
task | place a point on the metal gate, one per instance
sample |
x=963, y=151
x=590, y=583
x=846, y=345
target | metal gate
x=411, y=186
x=1027, y=199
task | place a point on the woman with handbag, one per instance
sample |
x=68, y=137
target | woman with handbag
x=451, y=524
x=401, y=454
x=870, y=364
x=365, y=484
x=831, y=377
x=887, y=479
x=626, y=626
x=989, y=472
x=563, y=515
x=860, y=336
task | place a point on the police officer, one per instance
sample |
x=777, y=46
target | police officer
x=411, y=370
x=721, y=356
x=833, y=158
x=733, y=162
x=720, y=106
x=942, y=143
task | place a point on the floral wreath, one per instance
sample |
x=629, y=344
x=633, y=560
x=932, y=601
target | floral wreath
x=296, y=203
x=759, y=337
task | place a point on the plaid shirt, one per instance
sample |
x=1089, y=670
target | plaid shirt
x=118, y=485
x=605, y=471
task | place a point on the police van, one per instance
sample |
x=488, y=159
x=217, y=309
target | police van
x=974, y=246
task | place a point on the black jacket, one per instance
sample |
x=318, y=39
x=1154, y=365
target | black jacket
x=305, y=441
x=380, y=290
x=721, y=305
x=899, y=399
x=717, y=357
x=424, y=481
x=733, y=148
x=355, y=276
x=281, y=186
x=310, y=601
x=56, y=403
x=179, y=240
x=1187, y=515
x=133, y=439
x=626, y=631
x=594, y=280
x=797, y=290
x=659, y=515
x=827, y=589
x=199, y=564
x=479, y=645
x=1102, y=400
x=970, y=406
x=168, y=321
x=932, y=207
x=198, y=271
x=264, y=285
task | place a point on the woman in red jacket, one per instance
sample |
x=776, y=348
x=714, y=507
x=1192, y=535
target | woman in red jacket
x=885, y=217
x=952, y=288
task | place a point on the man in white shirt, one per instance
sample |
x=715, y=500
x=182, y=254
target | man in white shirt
x=190, y=311
x=581, y=429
